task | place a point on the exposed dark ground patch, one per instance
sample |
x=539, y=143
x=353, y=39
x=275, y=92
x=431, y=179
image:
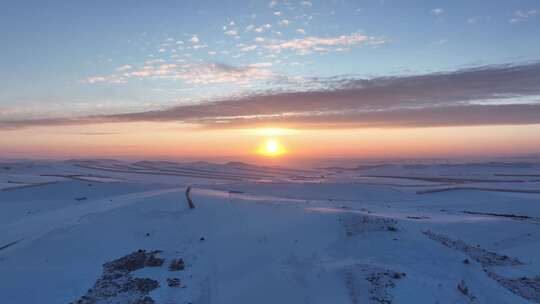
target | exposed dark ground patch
x=173, y=282
x=528, y=288
x=116, y=285
x=478, y=189
x=482, y=256
x=177, y=264
x=506, y=215
x=447, y=179
x=161, y=173
x=415, y=217
x=517, y=175
x=464, y=290
x=80, y=177
x=356, y=224
x=377, y=281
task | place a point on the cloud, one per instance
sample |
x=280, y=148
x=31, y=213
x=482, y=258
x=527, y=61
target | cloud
x=261, y=65
x=440, y=42
x=301, y=31
x=306, y=3
x=247, y=48
x=487, y=95
x=199, y=46
x=309, y=44
x=437, y=11
x=523, y=15
x=231, y=33
x=262, y=28
x=154, y=61
x=194, y=39
x=95, y=79
x=284, y=22
x=124, y=68
x=198, y=74
x=272, y=3
x=222, y=73
x=97, y=133
x=113, y=79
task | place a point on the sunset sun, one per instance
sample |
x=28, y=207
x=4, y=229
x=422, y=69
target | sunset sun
x=271, y=147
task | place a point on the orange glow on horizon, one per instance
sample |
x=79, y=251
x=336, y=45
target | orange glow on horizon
x=168, y=140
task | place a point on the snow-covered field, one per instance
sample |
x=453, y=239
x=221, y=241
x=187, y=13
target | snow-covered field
x=107, y=231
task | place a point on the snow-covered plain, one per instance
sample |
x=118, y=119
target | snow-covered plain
x=107, y=231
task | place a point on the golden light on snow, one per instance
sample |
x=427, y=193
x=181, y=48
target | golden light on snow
x=271, y=147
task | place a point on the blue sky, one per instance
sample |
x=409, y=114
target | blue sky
x=78, y=58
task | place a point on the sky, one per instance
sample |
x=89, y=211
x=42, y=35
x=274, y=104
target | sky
x=210, y=79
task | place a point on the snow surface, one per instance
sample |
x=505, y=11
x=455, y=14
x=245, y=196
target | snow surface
x=390, y=233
